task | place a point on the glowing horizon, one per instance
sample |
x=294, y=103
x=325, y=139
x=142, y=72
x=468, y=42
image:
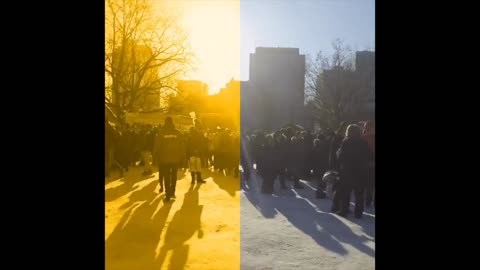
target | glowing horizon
x=213, y=30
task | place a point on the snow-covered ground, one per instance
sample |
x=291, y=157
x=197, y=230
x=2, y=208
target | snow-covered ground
x=217, y=226
x=291, y=229
x=199, y=230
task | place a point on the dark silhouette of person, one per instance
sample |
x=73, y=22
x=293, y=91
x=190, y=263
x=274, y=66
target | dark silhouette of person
x=235, y=154
x=369, y=136
x=319, y=158
x=353, y=158
x=280, y=153
x=245, y=156
x=169, y=153
x=194, y=148
x=266, y=165
x=336, y=138
x=297, y=160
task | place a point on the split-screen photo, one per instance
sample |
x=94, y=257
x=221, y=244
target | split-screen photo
x=239, y=134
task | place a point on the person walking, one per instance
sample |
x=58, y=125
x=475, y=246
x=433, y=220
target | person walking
x=169, y=152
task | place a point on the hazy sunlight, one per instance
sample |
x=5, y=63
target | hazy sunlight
x=213, y=29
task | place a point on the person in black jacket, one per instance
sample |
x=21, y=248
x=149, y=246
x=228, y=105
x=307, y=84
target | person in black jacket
x=280, y=153
x=336, y=138
x=296, y=161
x=169, y=154
x=245, y=156
x=235, y=154
x=203, y=148
x=266, y=165
x=123, y=151
x=147, y=149
x=319, y=159
x=307, y=147
x=110, y=142
x=194, y=148
x=353, y=158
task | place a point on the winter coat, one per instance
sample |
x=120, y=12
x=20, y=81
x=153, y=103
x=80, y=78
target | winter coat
x=266, y=161
x=169, y=147
x=353, y=159
x=194, y=144
x=319, y=158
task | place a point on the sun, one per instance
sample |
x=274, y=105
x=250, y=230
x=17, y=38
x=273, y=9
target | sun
x=213, y=29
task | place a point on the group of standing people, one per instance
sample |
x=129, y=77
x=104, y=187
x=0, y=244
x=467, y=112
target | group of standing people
x=168, y=149
x=286, y=154
x=355, y=159
x=128, y=147
x=289, y=154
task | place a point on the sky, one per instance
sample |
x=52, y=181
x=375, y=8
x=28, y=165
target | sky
x=222, y=33
x=213, y=29
x=310, y=25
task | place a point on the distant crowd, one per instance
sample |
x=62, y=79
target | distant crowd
x=167, y=149
x=292, y=154
x=287, y=154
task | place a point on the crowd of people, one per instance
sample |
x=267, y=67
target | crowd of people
x=167, y=149
x=289, y=154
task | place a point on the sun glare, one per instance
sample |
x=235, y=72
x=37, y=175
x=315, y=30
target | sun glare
x=213, y=29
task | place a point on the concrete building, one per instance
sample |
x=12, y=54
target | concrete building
x=365, y=69
x=223, y=109
x=192, y=88
x=190, y=96
x=275, y=93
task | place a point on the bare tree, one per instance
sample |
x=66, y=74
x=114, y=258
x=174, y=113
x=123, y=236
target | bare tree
x=342, y=55
x=145, y=53
x=333, y=86
x=314, y=67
